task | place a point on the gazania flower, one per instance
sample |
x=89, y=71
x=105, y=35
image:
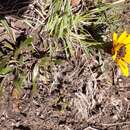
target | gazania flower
x=121, y=51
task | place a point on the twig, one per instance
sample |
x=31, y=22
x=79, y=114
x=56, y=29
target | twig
x=118, y=2
x=114, y=124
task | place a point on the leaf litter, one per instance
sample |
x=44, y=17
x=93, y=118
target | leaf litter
x=42, y=89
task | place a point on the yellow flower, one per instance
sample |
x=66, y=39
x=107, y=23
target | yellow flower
x=121, y=51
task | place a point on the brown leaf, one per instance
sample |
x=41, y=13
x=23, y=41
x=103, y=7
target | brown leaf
x=75, y=2
x=15, y=96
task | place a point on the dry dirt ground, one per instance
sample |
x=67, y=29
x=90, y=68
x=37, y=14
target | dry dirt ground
x=80, y=93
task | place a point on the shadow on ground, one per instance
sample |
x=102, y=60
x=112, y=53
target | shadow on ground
x=13, y=7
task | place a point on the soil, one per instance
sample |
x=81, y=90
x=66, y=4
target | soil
x=79, y=93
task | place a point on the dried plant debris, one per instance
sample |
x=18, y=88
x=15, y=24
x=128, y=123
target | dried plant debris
x=71, y=95
x=62, y=83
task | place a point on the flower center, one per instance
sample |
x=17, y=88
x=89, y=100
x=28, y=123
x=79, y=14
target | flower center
x=121, y=52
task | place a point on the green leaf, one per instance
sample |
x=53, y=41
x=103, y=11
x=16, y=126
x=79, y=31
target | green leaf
x=6, y=70
x=27, y=44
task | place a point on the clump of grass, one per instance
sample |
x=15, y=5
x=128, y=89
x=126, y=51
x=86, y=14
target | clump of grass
x=13, y=62
x=60, y=18
x=71, y=27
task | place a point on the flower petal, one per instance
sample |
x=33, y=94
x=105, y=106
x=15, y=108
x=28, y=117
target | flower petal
x=114, y=56
x=122, y=37
x=127, y=49
x=127, y=54
x=114, y=39
x=127, y=41
x=127, y=46
x=127, y=59
x=124, y=67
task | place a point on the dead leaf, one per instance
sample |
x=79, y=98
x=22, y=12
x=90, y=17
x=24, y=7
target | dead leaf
x=75, y=2
x=15, y=96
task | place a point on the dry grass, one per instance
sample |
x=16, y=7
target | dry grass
x=60, y=58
